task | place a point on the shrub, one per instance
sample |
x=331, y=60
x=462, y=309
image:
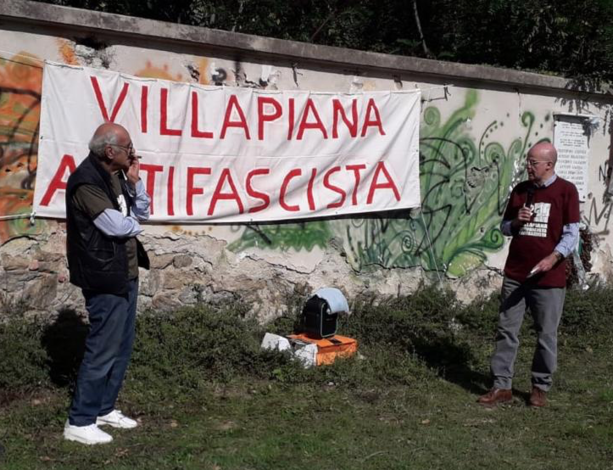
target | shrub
x=196, y=344
x=424, y=324
x=184, y=350
x=480, y=317
x=23, y=360
x=588, y=313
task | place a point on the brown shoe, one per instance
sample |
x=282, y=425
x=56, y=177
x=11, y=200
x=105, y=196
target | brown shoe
x=538, y=397
x=496, y=396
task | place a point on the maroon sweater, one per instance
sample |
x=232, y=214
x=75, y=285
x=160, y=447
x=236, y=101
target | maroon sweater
x=553, y=206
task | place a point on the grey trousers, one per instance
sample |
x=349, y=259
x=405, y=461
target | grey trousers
x=546, y=304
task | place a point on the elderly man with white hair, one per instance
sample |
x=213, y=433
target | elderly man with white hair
x=105, y=203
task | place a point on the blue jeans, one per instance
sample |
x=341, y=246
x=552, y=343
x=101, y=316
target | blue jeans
x=108, y=348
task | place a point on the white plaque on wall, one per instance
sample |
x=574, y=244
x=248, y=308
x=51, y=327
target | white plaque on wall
x=571, y=140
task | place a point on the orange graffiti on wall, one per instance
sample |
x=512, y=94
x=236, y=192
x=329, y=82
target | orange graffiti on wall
x=163, y=72
x=152, y=71
x=67, y=52
x=20, y=98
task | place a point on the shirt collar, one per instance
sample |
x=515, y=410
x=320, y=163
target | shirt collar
x=548, y=182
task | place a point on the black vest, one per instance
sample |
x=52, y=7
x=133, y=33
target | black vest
x=96, y=262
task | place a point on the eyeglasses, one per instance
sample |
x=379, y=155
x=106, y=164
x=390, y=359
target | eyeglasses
x=128, y=149
x=533, y=163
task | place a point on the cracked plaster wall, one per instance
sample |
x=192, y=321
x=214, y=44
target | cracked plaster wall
x=265, y=265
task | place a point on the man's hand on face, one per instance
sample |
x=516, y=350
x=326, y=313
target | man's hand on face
x=132, y=173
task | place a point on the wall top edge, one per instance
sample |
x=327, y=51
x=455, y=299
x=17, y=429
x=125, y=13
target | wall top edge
x=78, y=20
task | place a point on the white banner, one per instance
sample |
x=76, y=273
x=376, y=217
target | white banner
x=221, y=154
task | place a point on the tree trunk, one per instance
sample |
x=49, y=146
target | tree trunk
x=427, y=52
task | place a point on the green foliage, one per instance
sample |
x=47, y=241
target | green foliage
x=587, y=314
x=374, y=366
x=424, y=325
x=380, y=410
x=196, y=345
x=23, y=360
x=481, y=315
x=401, y=340
x=571, y=38
x=567, y=37
x=397, y=321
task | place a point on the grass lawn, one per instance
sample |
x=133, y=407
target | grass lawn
x=358, y=414
x=434, y=424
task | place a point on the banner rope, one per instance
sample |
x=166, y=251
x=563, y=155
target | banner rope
x=30, y=216
x=16, y=54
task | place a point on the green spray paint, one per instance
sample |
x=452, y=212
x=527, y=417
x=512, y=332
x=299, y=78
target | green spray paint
x=464, y=185
x=283, y=237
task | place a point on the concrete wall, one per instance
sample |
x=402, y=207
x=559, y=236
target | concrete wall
x=474, y=135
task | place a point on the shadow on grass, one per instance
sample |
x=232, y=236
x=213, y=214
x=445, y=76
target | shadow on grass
x=470, y=380
x=64, y=341
x=452, y=362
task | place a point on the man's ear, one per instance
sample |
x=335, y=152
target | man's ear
x=109, y=153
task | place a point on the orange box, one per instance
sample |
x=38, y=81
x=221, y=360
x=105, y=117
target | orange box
x=328, y=349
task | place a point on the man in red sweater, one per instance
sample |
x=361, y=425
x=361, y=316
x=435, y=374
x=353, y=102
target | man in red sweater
x=542, y=216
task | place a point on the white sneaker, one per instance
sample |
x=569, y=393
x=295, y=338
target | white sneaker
x=116, y=419
x=88, y=435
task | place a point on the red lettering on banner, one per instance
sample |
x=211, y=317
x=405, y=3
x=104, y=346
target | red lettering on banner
x=195, y=131
x=227, y=122
x=376, y=185
x=170, y=191
x=340, y=111
x=310, y=189
x=290, y=119
x=356, y=172
x=292, y=174
x=102, y=106
x=256, y=194
x=262, y=117
x=340, y=180
x=151, y=170
x=310, y=109
x=191, y=191
x=336, y=189
x=164, y=130
x=57, y=182
x=376, y=122
x=233, y=195
x=144, y=101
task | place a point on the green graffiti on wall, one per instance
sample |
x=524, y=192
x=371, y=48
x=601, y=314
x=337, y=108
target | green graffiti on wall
x=464, y=183
x=296, y=236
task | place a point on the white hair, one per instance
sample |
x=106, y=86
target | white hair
x=99, y=142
